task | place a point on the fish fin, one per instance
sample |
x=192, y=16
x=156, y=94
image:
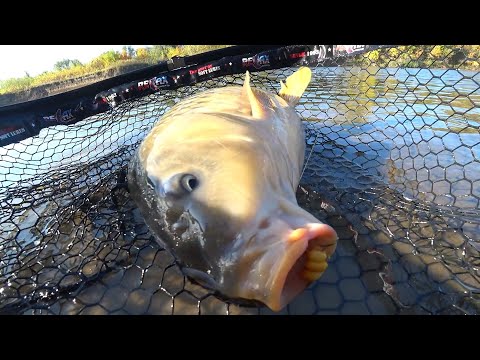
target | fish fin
x=258, y=108
x=295, y=85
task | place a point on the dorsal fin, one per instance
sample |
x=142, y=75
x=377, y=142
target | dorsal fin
x=258, y=110
x=295, y=85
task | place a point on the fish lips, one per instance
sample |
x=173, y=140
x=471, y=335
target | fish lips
x=269, y=272
x=283, y=265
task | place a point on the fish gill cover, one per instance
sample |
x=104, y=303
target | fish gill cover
x=392, y=157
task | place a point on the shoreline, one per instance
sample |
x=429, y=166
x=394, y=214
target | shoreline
x=58, y=87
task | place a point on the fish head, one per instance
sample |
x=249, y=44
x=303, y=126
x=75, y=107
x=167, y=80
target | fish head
x=223, y=199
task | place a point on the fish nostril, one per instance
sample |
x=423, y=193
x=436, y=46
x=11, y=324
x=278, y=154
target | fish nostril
x=264, y=224
x=150, y=183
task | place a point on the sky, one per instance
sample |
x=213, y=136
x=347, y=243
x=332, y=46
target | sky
x=35, y=59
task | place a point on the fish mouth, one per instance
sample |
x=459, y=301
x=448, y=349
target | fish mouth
x=303, y=262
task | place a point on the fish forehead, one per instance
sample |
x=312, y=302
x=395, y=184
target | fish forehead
x=225, y=165
x=207, y=141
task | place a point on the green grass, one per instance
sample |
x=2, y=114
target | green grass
x=106, y=61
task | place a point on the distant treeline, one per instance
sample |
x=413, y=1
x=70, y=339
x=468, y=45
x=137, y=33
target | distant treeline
x=424, y=56
x=420, y=56
x=73, y=68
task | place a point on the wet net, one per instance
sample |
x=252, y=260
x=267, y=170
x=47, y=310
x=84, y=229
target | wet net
x=392, y=159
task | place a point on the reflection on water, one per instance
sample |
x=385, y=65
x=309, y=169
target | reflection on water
x=417, y=128
x=392, y=168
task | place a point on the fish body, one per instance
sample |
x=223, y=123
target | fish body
x=215, y=180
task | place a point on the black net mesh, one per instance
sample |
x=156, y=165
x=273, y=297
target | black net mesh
x=392, y=164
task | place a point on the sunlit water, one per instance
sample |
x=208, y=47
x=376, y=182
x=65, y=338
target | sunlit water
x=392, y=166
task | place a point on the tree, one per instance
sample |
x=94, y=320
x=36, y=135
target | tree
x=142, y=53
x=131, y=51
x=124, y=54
x=128, y=52
x=159, y=52
x=66, y=64
x=75, y=63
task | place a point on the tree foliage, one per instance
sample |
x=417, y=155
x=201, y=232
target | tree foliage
x=66, y=64
x=128, y=52
x=424, y=56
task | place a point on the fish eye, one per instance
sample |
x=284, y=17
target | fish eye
x=189, y=182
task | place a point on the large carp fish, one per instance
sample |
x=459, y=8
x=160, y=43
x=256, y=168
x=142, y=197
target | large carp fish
x=215, y=181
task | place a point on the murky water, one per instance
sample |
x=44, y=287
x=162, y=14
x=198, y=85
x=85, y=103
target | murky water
x=392, y=167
